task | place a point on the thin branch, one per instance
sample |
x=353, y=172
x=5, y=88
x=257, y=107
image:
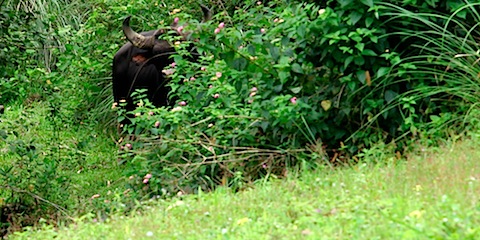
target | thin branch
x=59, y=208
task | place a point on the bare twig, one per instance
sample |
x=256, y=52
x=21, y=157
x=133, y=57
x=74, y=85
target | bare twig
x=59, y=208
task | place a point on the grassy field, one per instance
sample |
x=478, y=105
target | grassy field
x=432, y=195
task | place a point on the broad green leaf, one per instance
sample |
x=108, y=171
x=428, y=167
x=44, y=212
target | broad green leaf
x=359, y=60
x=355, y=37
x=240, y=64
x=369, y=52
x=344, y=3
x=251, y=49
x=283, y=75
x=348, y=60
x=278, y=88
x=285, y=41
x=345, y=79
x=382, y=71
x=435, y=118
x=360, y=46
x=355, y=17
x=68, y=47
x=301, y=31
x=368, y=2
x=346, y=49
x=352, y=85
x=390, y=95
x=361, y=76
x=296, y=89
x=86, y=60
x=274, y=52
x=297, y=68
x=369, y=21
x=284, y=60
x=462, y=14
x=228, y=57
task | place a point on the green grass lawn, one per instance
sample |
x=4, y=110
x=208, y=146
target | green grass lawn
x=434, y=194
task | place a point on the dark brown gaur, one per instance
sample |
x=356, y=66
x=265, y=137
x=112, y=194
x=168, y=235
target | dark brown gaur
x=139, y=63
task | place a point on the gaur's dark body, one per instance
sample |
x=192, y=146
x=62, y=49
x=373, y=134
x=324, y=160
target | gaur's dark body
x=139, y=64
x=135, y=68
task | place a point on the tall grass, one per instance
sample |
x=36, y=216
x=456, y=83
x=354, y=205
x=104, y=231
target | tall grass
x=441, y=72
x=64, y=12
x=50, y=18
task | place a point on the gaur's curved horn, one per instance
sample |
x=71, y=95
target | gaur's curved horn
x=207, y=13
x=135, y=38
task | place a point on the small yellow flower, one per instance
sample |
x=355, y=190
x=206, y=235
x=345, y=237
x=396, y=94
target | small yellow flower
x=418, y=188
x=307, y=232
x=176, y=109
x=243, y=221
x=326, y=104
x=176, y=204
x=416, y=213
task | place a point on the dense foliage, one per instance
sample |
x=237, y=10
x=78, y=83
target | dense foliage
x=277, y=83
x=294, y=83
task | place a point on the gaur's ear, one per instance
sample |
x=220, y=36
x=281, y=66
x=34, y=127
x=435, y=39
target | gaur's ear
x=159, y=32
x=162, y=46
x=207, y=13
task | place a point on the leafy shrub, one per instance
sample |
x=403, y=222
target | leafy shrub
x=51, y=172
x=31, y=184
x=268, y=88
x=286, y=84
x=59, y=54
x=31, y=33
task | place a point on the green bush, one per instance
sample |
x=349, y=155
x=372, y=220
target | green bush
x=269, y=89
x=278, y=84
x=32, y=183
x=32, y=33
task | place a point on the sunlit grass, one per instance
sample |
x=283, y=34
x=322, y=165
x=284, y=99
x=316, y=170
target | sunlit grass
x=430, y=195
